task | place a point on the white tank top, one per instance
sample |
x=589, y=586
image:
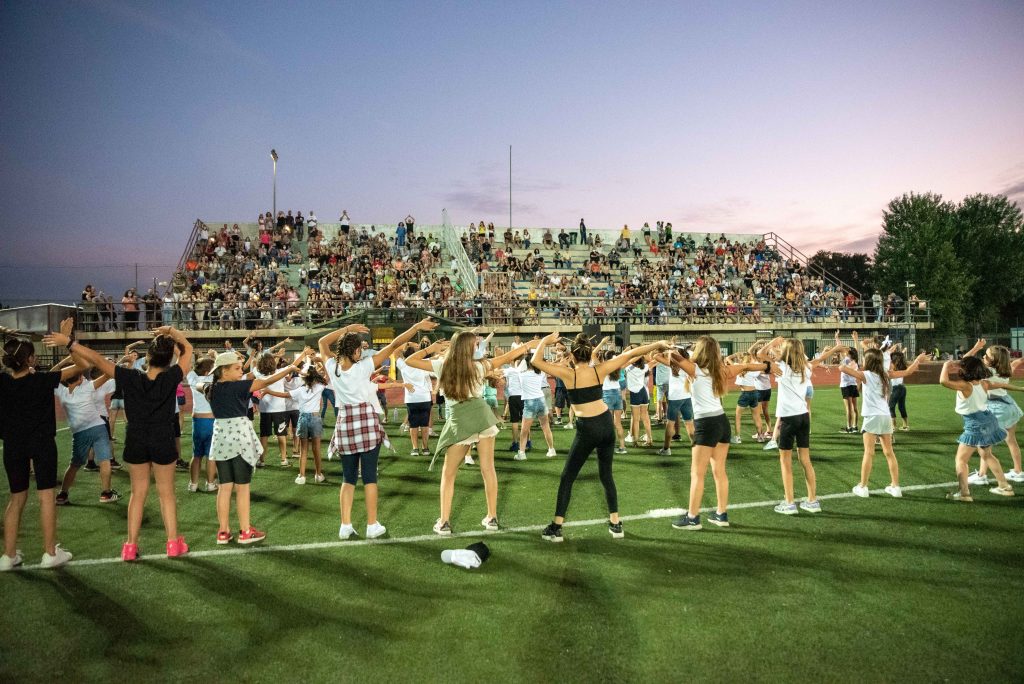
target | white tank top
x=978, y=401
x=609, y=384
x=844, y=379
x=996, y=392
x=705, y=403
x=873, y=401
x=895, y=381
x=793, y=391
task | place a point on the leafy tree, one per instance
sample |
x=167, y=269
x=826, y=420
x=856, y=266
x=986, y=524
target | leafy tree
x=918, y=244
x=853, y=269
x=989, y=238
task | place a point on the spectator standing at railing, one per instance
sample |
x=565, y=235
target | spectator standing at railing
x=876, y=302
x=311, y=224
x=130, y=306
x=583, y=233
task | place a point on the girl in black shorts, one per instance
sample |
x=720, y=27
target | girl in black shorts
x=28, y=426
x=149, y=448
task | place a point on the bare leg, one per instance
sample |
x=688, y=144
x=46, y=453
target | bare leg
x=786, y=465
x=454, y=456
x=69, y=477
x=224, y=506
x=164, y=476
x=346, y=494
x=718, y=457
x=12, y=521
x=485, y=450
x=963, y=456
x=242, y=505
x=370, y=494
x=698, y=468
x=317, y=462
x=545, y=427
x=993, y=464
x=866, y=462
x=809, y=477
x=139, y=473
x=890, y=459
x=48, y=519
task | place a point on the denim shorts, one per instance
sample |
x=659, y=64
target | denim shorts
x=311, y=426
x=534, y=408
x=202, y=436
x=748, y=399
x=680, y=408
x=95, y=438
x=613, y=399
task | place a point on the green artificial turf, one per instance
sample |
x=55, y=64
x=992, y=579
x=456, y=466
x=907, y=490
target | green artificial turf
x=875, y=589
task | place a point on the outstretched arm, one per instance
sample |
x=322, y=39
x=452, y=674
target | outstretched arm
x=426, y=325
x=825, y=354
x=84, y=357
x=952, y=384
x=418, y=359
x=557, y=370
x=260, y=383
x=911, y=369
x=630, y=355
x=978, y=346
x=325, y=342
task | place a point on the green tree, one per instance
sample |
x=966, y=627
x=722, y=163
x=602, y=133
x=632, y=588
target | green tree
x=989, y=237
x=918, y=244
x=852, y=269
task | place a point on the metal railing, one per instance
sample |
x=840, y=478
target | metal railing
x=550, y=310
x=452, y=245
x=784, y=248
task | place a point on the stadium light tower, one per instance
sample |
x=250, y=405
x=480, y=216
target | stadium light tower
x=273, y=155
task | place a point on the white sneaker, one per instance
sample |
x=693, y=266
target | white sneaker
x=212, y=486
x=301, y=479
x=520, y=456
x=414, y=453
x=319, y=478
x=552, y=453
x=977, y=478
x=629, y=439
x=59, y=558
x=569, y=426
x=346, y=531
x=735, y=439
x=756, y=436
x=1014, y=476
x=770, y=445
x=375, y=530
x=861, y=491
x=1002, y=491
x=469, y=460
x=193, y=486
x=490, y=524
x=8, y=563
x=894, y=491
x=664, y=452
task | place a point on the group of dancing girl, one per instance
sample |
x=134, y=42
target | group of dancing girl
x=589, y=377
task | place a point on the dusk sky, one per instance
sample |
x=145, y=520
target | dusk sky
x=124, y=122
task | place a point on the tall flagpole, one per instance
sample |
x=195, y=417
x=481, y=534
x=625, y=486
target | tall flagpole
x=510, y=187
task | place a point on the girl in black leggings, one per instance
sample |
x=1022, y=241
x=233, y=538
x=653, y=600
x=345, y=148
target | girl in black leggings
x=594, y=427
x=898, y=391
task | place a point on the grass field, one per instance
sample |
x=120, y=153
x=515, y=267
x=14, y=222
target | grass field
x=876, y=589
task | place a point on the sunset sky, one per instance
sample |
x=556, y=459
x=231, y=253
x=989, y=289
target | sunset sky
x=124, y=122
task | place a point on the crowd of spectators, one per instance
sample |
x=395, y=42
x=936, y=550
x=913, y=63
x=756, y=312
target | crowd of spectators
x=236, y=281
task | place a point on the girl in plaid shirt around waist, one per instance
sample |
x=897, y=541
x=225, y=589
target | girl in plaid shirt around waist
x=358, y=433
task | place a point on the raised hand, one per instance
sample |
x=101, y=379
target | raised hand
x=552, y=338
x=426, y=325
x=357, y=328
x=67, y=326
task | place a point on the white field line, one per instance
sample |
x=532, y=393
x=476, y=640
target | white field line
x=480, y=534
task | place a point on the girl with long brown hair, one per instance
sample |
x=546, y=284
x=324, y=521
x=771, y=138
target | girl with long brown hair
x=711, y=432
x=461, y=378
x=1002, y=406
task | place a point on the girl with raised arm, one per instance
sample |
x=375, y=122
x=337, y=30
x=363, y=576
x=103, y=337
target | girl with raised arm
x=28, y=424
x=710, y=429
x=981, y=427
x=149, y=442
x=584, y=385
x=1002, y=406
x=358, y=433
x=793, y=375
x=462, y=379
x=235, y=448
x=874, y=408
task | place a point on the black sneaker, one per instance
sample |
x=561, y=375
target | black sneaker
x=62, y=499
x=615, y=529
x=677, y=437
x=720, y=519
x=552, y=533
x=114, y=464
x=181, y=465
x=109, y=496
x=685, y=522
x=91, y=467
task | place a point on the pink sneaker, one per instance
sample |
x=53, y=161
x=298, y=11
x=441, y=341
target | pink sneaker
x=251, y=536
x=177, y=547
x=130, y=552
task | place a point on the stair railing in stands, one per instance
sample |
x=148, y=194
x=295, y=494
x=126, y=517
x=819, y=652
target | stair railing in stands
x=191, y=247
x=452, y=244
x=788, y=251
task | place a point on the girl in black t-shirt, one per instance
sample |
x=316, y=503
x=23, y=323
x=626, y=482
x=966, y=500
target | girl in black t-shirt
x=149, y=442
x=28, y=426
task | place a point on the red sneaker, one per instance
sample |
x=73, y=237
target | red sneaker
x=251, y=536
x=176, y=547
x=225, y=538
x=130, y=552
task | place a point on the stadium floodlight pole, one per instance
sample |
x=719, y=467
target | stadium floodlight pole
x=910, y=315
x=273, y=155
x=510, y=187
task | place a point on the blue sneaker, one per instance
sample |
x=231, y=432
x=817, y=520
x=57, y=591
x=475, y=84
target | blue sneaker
x=514, y=447
x=529, y=445
x=720, y=519
x=685, y=522
x=811, y=506
x=786, y=508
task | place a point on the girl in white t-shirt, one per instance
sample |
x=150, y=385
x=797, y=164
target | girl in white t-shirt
x=273, y=417
x=358, y=434
x=711, y=429
x=849, y=389
x=418, y=402
x=202, y=426
x=792, y=372
x=533, y=382
x=637, y=375
x=876, y=385
x=997, y=359
x=309, y=429
x=748, y=399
